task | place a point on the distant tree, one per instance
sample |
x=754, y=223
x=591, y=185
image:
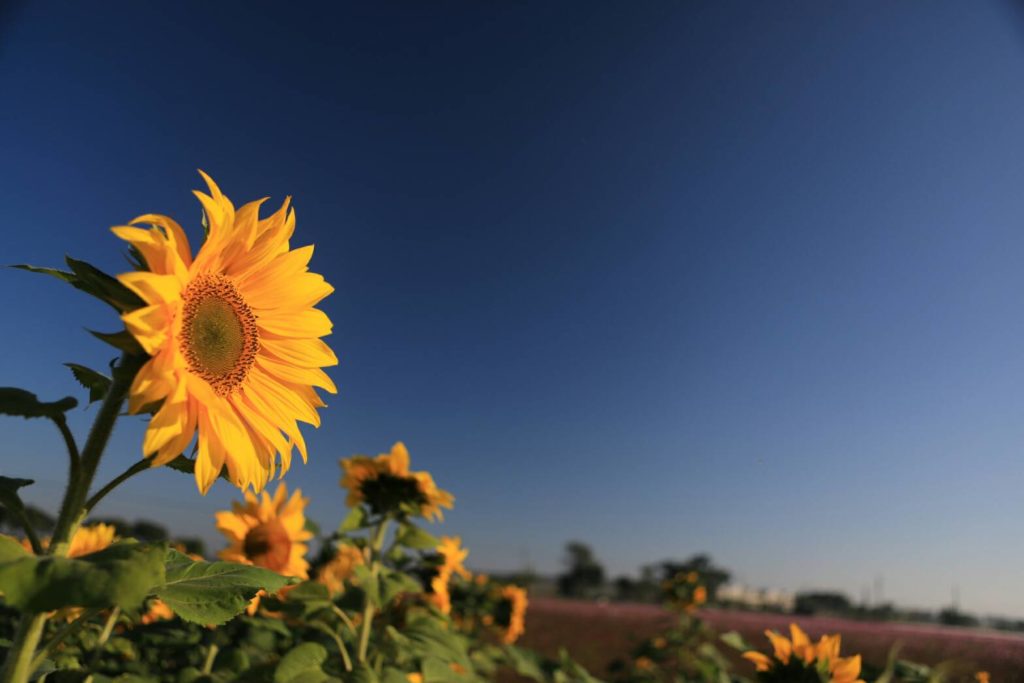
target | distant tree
x=711, y=576
x=584, y=575
x=951, y=616
x=822, y=602
x=192, y=546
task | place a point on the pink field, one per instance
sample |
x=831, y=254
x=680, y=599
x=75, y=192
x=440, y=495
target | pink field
x=597, y=634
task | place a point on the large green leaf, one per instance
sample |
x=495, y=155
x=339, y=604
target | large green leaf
x=10, y=549
x=212, y=592
x=9, y=497
x=302, y=664
x=94, y=281
x=21, y=403
x=121, y=575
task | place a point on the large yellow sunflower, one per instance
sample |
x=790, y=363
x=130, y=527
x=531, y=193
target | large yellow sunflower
x=387, y=485
x=234, y=340
x=268, y=532
x=799, y=649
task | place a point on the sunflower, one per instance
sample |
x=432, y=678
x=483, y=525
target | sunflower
x=233, y=337
x=799, y=654
x=341, y=568
x=386, y=485
x=268, y=532
x=87, y=540
x=452, y=555
x=512, y=613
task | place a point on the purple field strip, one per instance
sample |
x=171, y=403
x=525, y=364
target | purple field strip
x=596, y=634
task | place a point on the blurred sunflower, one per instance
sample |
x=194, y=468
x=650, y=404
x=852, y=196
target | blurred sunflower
x=512, y=613
x=234, y=340
x=268, y=532
x=341, y=568
x=800, y=654
x=386, y=485
x=87, y=540
x=158, y=611
x=452, y=556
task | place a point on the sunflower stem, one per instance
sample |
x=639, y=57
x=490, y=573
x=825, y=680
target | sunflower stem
x=211, y=655
x=63, y=633
x=342, y=650
x=18, y=664
x=376, y=544
x=108, y=628
x=138, y=466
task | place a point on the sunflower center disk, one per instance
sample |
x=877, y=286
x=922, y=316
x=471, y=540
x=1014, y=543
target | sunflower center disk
x=219, y=337
x=268, y=546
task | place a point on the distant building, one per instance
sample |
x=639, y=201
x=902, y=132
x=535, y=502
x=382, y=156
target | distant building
x=756, y=598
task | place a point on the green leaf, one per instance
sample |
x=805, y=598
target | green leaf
x=393, y=583
x=121, y=575
x=355, y=519
x=188, y=466
x=312, y=527
x=393, y=675
x=92, y=280
x=411, y=536
x=11, y=550
x=302, y=664
x=96, y=382
x=364, y=674
x=310, y=596
x=122, y=341
x=734, y=640
x=212, y=592
x=52, y=272
x=525, y=663
x=438, y=671
x=9, y=497
x=21, y=403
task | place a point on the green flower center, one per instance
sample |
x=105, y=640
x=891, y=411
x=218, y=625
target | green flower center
x=219, y=337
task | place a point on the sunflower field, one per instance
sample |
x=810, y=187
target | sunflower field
x=222, y=352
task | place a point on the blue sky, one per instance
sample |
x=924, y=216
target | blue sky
x=662, y=277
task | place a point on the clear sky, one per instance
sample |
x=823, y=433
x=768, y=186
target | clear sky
x=663, y=277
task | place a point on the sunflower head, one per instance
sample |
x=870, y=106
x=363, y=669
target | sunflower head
x=340, y=568
x=268, y=532
x=799, y=659
x=386, y=485
x=233, y=339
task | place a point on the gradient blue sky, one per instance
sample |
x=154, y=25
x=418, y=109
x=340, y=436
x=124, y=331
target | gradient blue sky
x=663, y=277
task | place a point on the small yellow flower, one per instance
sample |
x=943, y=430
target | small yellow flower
x=233, y=339
x=982, y=677
x=644, y=663
x=386, y=484
x=268, y=532
x=414, y=677
x=340, y=569
x=158, y=611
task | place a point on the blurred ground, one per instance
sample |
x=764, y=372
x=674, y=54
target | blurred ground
x=598, y=634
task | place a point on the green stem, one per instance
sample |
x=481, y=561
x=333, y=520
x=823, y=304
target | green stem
x=59, y=637
x=108, y=628
x=340, y=643
x=211, y=655
x=344, y=618
x=17, y=665
x=138, y=466
x=375, y=545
